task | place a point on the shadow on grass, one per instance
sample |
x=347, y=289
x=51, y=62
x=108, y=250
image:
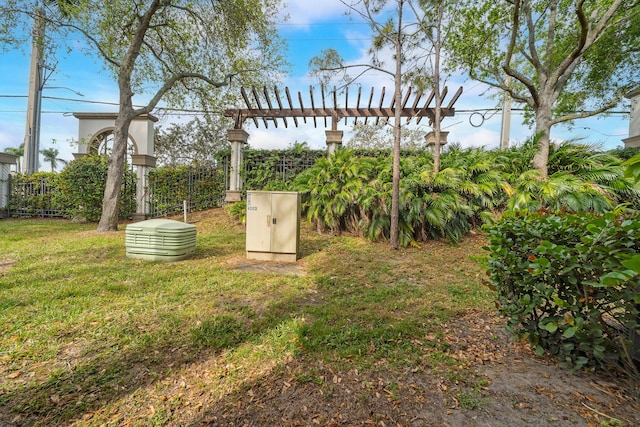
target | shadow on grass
x=69, y=395
x=365, y=317
x=369, y=341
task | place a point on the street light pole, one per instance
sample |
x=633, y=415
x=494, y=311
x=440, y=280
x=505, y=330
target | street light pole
x=506, y=119
x=34, y=103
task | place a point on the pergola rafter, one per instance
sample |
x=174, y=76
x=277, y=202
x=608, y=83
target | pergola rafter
x=254, y=108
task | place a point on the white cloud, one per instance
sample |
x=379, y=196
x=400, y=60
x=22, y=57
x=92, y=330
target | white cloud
x=302, y=12
x=481, y=137
x=281, y=137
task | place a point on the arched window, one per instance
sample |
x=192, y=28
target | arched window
x=102, y=144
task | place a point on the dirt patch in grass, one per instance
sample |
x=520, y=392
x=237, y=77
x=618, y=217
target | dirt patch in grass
x=497, y=383
x=6, y=263
x=252, y=266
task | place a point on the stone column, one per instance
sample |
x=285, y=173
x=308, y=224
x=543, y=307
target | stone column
x=634, y=120
x=334, y=140
x=6, y=161
x=237, y=138
x=430, y=139
x=143, y=164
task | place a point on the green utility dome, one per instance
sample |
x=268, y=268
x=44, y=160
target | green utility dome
x=160, y=240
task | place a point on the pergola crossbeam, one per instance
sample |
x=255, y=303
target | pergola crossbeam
x=426, y=104
x=409, y=108
x=340, y=112
x=295, y=119
x=257, y=99
x=455, y=97
x=381, y=101
x=279, y=101
x=369, y=105
x=268, y=99
x=313, y=106
x=323, y=102
x=246, y=101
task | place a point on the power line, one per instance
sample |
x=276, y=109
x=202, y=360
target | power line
x=302, y=24
x=330, y=39
x=198, y=111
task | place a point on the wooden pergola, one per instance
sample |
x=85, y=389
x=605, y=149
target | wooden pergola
x=270, y=106
x=267, y=106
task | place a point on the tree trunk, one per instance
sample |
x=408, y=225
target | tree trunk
x=543, y=131
x=394, y=232
x=111, y=200
x=437, y=148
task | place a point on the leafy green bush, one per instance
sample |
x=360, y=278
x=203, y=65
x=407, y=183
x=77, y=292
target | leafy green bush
x=275, y=169
x=581, y=177
x=331, y=188
x=201, y=187
x=569, y=283
x=81, y=185
x=238, y=211
x=632, y=170
x=35, y=194
x=346, y=192
x=625, y=153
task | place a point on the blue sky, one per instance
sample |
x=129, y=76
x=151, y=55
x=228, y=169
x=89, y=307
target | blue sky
x=308, y=31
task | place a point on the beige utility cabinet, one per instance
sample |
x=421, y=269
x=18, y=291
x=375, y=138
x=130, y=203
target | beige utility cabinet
x=273, y=225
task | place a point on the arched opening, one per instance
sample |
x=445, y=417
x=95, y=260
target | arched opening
x=102, y=144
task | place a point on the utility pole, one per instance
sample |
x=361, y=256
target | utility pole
x=34, y=103
x=506, y=119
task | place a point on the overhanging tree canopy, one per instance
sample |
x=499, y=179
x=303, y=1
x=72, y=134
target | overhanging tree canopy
x=177, y=51
x=563, y=59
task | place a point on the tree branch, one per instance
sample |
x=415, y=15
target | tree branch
x=509, y=55
x=515, y=95
x=583, y=114
x=586, y=39
x=366, y=66
x=138, y=38
x=533, y=58
x=170, y=82
x=551, y=34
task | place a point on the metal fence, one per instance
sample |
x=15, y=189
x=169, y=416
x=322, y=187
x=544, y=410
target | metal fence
x=202, y=188
x=38, y=198
x=264, y=167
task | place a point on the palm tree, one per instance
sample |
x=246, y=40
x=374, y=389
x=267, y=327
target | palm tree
x=16, y=152
x=51, y=156
x=581, y=177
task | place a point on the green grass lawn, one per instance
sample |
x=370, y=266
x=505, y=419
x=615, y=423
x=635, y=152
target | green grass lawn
x=87, y=332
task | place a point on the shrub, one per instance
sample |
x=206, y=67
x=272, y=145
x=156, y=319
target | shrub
x=330, y=190
x=82, y=183
x=569, y=283
x=238, y=211
x=275, y=169
x=581, y=178
x=346, y=192
x=202, y=188
x=632, y=170
x=35, y=194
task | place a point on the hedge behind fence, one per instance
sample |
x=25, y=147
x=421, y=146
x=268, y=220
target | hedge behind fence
x=76, y=192
x=202, y=188
x=35, y=195
x=81, y=185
